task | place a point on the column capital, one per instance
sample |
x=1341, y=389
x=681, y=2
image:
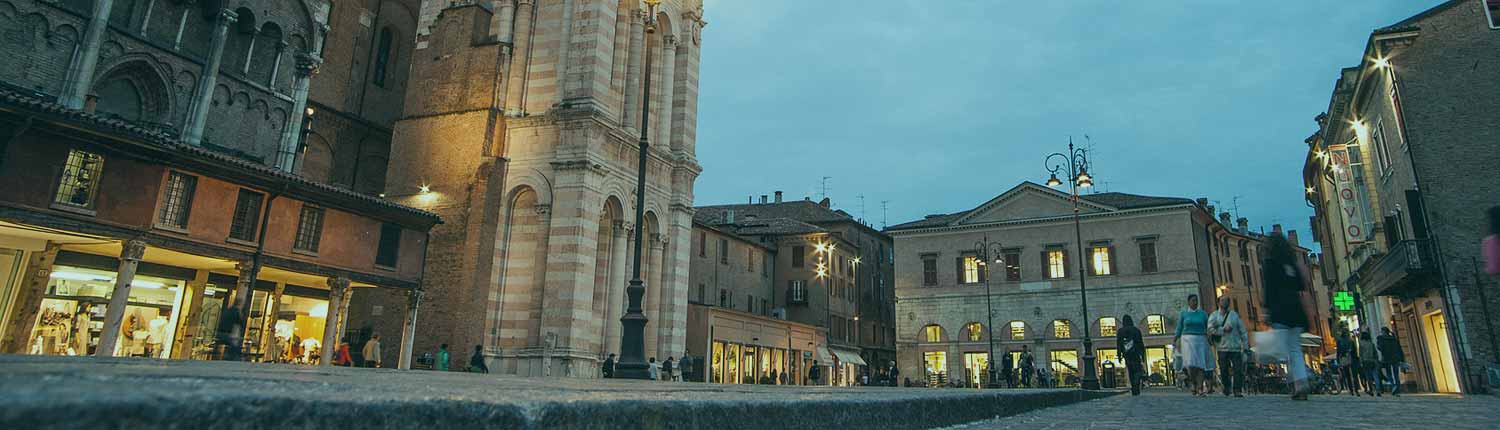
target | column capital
x=338, y=286
x=669, y=41
x=638, y=17
x=542, y=209
x=227, y=17
x=132, y=250
x=657, y=240
x=617, y=228
x=308, y=64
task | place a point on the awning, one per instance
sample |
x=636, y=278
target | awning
x=849, y=357
x=824, y=356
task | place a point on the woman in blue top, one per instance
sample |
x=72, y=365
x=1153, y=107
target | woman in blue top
x=1192, y=330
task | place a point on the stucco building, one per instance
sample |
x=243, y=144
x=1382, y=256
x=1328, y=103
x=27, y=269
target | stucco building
x=1144, y=256
x=521, y=127
x=1392, y=172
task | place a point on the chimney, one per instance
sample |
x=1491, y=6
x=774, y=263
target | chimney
x=729, y=216
x=778, y=197
x=1291, y=236
x=1224, y=219
x=1209, y=209
x=1276, y=229
x=1203, y=202
x=825, y=203
x=1243, y=225
x=762, y=199
x=752, y=200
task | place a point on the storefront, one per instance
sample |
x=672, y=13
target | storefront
x=847, y=364
x=976, y=365
x=743, y=348
x=935, y=368
x=78, y=292
x=1064, y=367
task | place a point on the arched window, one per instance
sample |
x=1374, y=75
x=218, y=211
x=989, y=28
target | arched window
x=382, y=56
x=933, y=332
x=1155, y=324
x=976, y=331
x=264, y=53
x=120, y=97
x=1062, y=329
x=1017, y=330
x=1107, y=326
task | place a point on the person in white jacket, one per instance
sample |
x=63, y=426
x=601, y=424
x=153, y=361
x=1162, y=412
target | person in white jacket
x=1227, y=333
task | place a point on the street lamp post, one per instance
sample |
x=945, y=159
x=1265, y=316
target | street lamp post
x=1075, y=164
x=632, y=363
x=984, y=250
x=825, y=258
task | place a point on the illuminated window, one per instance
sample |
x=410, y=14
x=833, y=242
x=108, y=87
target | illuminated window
x=976, y=331
x=1057, y=264
x=1062, y=329
x=1155, y=324
x=934, y=333
x=80, y=179
x=1017, y=330
x=1099, y=256
x=936, y=362
x=970, y=265
x=1107, y=326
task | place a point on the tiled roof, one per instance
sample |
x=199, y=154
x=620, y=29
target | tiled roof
x=931, y=221
x=1410, y=23
x=31, y=102
x=800, y=210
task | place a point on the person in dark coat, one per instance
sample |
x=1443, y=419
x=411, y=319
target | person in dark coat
x=1348, y=359
x=1007, y=369
x=476, y=362
x=1128, y=342
x=1391, y=358
x=608, y=368
x=1286, y=280
x=1027, y=366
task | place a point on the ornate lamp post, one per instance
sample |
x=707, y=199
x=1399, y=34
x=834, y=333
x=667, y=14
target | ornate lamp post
x=984, y=250
x=632, y=363
x=825, y=257
x=1075, y=164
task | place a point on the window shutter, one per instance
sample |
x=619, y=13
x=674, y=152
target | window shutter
x=1114, y=269
x=1066, y=262
x=959, y=273
x=983, y=271
x=1088, y=259
x=1046, y=269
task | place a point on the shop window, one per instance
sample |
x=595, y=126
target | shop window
x=1065, y=367
x=1492, y=11
x=177, y=200
x=309, y=229
x=1056, y=263
x=934, y=333
x=976, y=364
x=1017, y=330
x=246, y=218
x=1012, y=265
x=1107, y=327
x=976, y=331
x=1062, y=329
x=1155, y=324
x=1148, y=257
x=80, y=179
x=929, y=270
x=936, y=364
x=390, y=245
x=71, y=315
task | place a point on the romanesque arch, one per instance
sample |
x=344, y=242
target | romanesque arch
x=134, y=89
x=524, y=248
x=608, y=272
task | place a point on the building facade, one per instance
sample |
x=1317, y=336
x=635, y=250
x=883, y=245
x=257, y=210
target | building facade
x=826, y=269
x=1143, y=257
x=201, y=109
x=1390, y=173
x=521, y=128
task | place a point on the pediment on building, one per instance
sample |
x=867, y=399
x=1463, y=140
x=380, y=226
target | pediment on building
x=1027, y=201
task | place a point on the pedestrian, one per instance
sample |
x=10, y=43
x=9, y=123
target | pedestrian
x=341, y=354
x=1286, y=280
x=667, y=368
x=1227, y=331
x=687, y=367
x=653, y=369
x=1007, y=366
x=1027, y=366
x=1348, y=359
x=864, y=379
x=1491, y=243
x=1129, y=344
x=783, y=377
x=895, y=374
x=230, y=334
x=372, y=352
x=814, y=373
x=1369, y=364
x=1390, y=358
x=476, y=361
x=1192, y=340
x=442, y=358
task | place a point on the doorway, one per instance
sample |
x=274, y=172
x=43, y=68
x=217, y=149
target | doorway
x=1445, y=378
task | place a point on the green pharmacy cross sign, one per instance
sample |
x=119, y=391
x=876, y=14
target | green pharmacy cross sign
x=1343, y=301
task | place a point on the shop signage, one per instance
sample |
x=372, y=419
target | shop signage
x=1343, y=301
x=1349, y=201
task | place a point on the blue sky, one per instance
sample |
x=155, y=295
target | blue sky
x=939, y=105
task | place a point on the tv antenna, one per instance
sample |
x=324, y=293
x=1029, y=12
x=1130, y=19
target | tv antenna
x=825, y=186
x=882, y=213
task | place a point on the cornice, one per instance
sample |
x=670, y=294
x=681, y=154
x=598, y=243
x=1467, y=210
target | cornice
x=1042, y=220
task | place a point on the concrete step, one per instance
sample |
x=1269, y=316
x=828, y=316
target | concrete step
x=127, y=393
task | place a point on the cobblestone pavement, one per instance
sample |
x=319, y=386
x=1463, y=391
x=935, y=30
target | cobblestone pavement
x=1165, y=408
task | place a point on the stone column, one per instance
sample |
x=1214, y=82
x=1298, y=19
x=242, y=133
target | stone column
x=130, y=256
x=187, y=327
x=633, y=71
x=504, y=22
x=654, y=296
x=291, y=133
x=198, y=112
x=88, y=56
x=663, y=139
x=409, y=329
x=619, y=264
x=337, y=287
x=28, y=302
x=269, y=350
x=516, y=81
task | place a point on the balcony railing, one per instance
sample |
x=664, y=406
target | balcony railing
x=1404, y=271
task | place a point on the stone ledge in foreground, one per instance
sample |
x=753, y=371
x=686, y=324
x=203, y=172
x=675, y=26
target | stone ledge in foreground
x=81, y=392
